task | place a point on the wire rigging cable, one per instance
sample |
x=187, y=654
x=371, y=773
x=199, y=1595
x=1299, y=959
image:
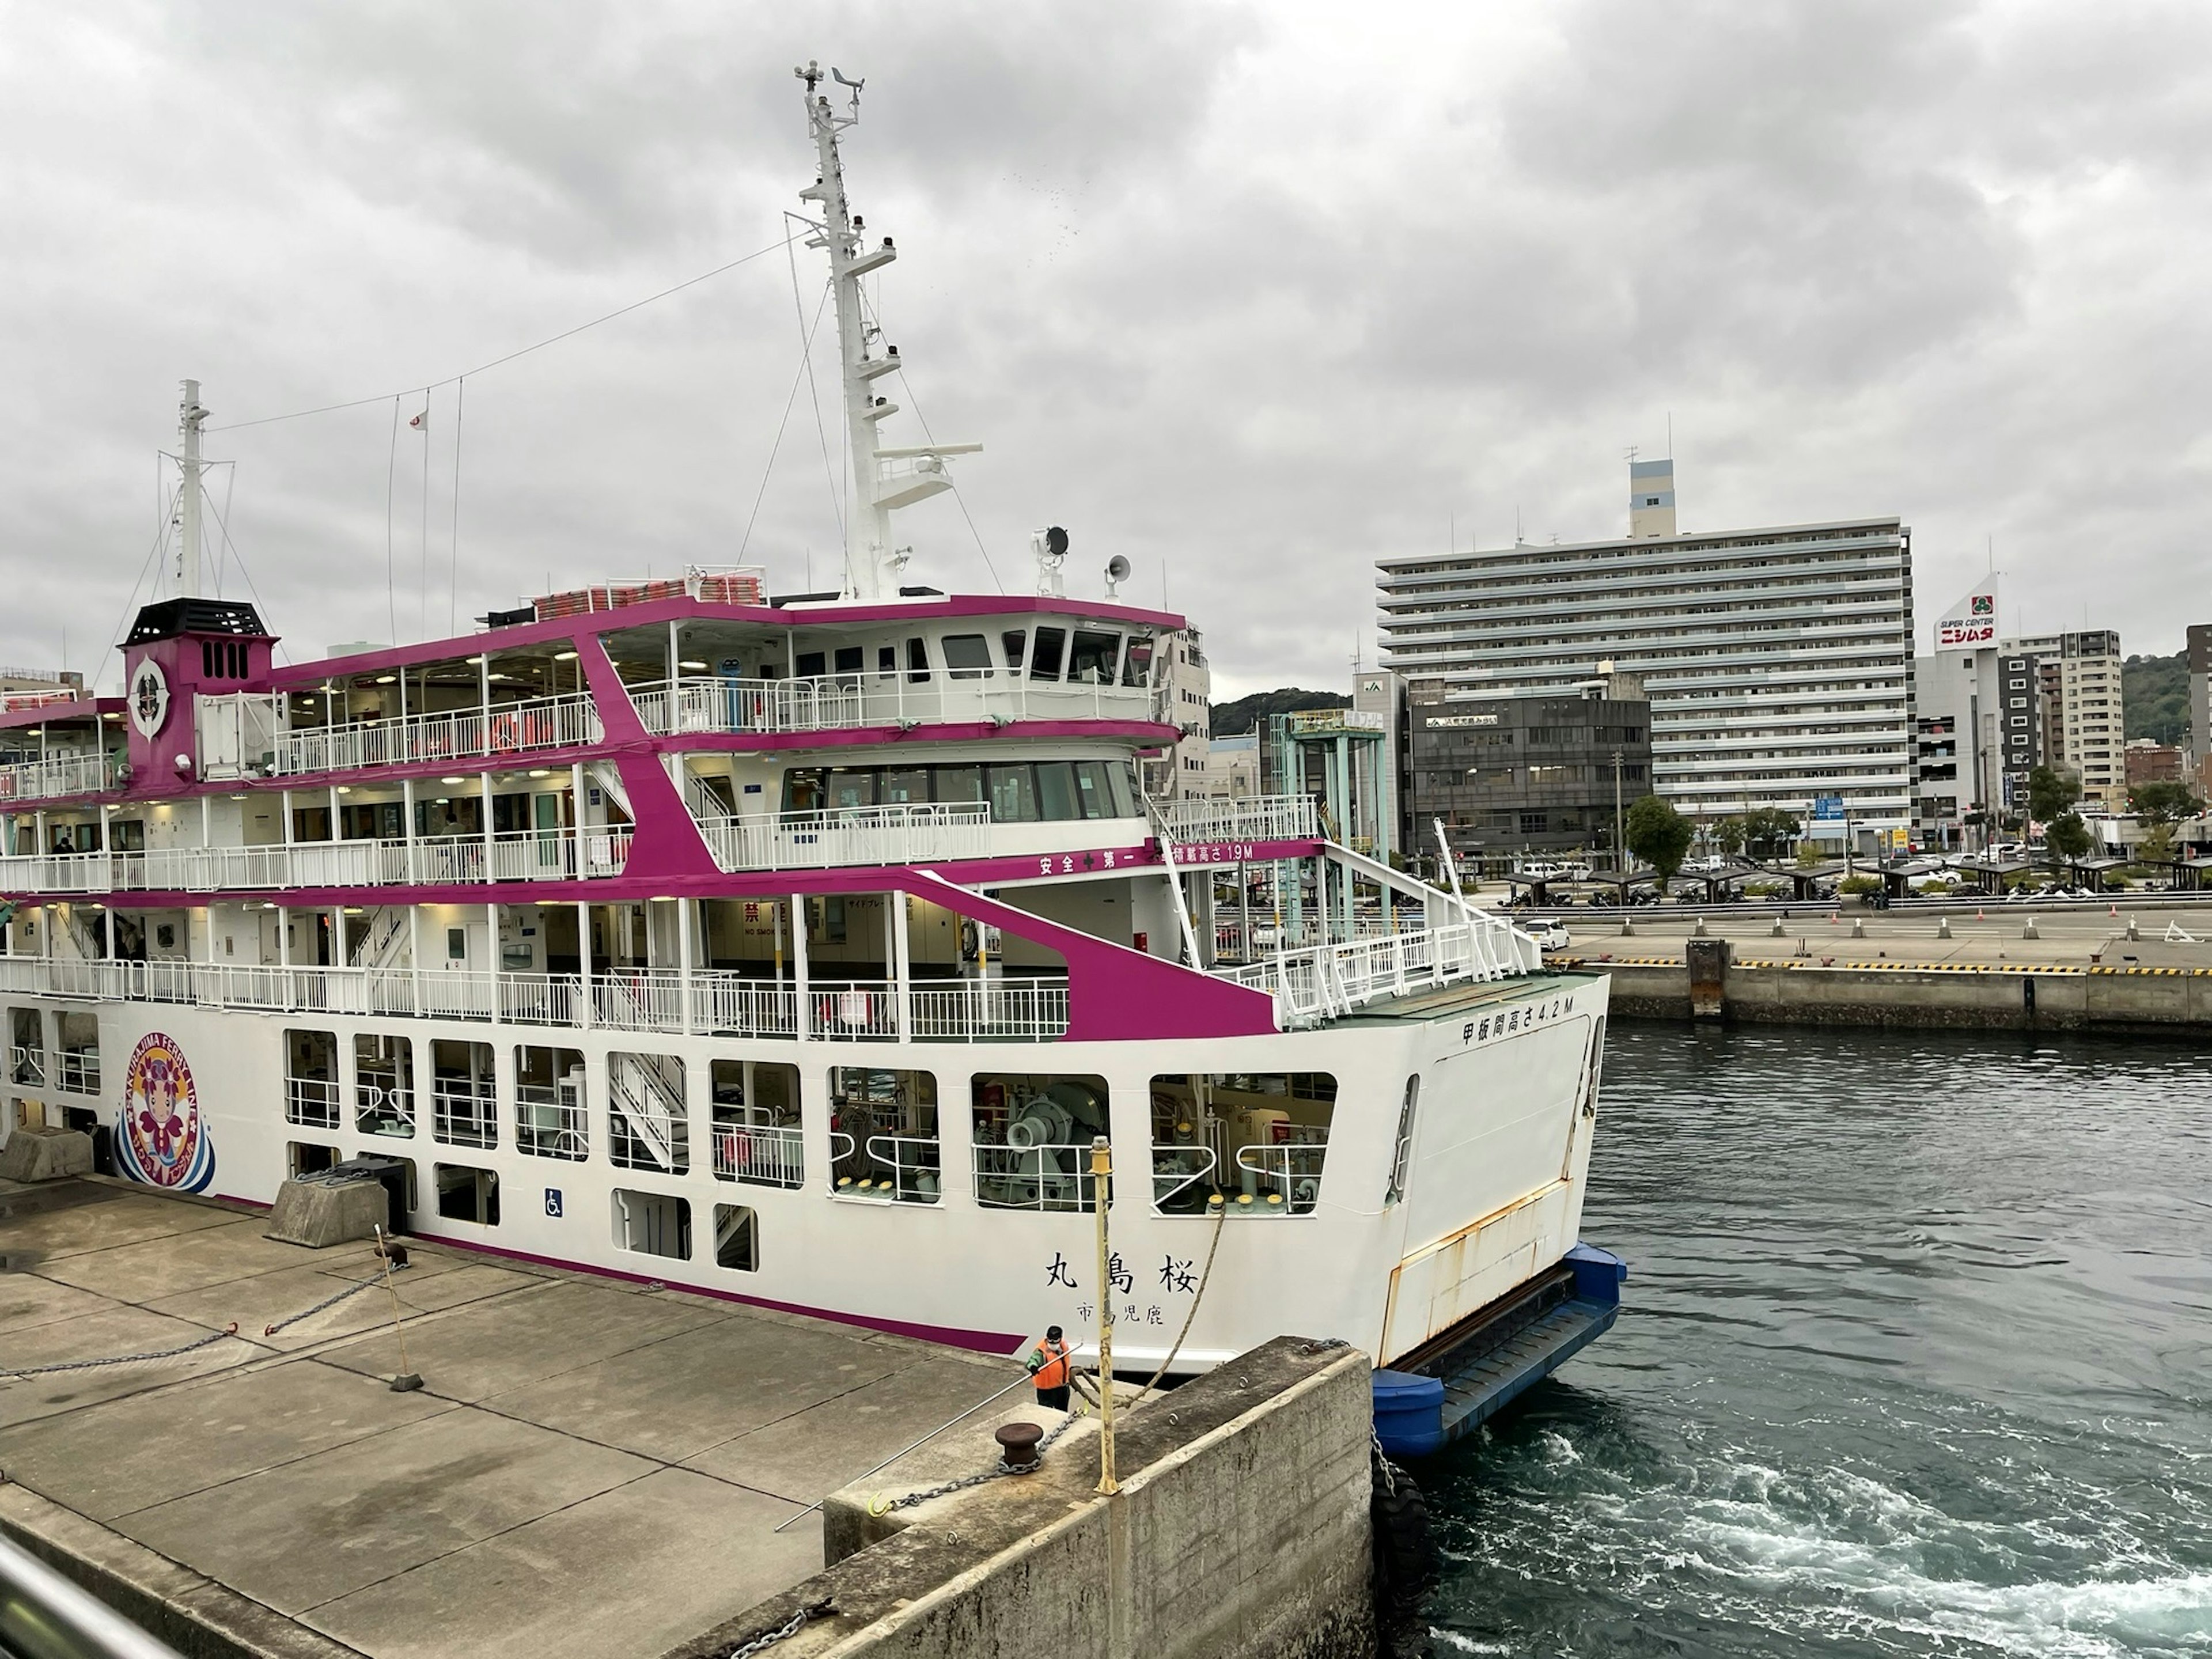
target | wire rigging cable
x=805, y=346
x=496, y=362
x=391, y=472
x=828, y=467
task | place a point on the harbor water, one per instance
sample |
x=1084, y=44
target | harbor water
x=1917, y=1359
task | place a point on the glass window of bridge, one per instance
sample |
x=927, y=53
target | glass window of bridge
x=549, y=1120
x=756, y=1124
x=1056, y=796
x=917, y=661
x=648, y=1116
x=383, y=1086
x=1094, y=790
x=884, y=1138
x=967, y=656
x=1136, y=666
x=906, y=786
x=1092, y=661
x=1258, y=1139
x=310, y=1078
x=1030, y=1138
x=1012, y=793
x=1011, y=642
x=1045, y=660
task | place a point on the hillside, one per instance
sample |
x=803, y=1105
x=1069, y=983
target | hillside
x=1234, y=719
x=2155, y=694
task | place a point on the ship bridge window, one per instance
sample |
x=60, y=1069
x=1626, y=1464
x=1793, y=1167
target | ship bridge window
x=1012, y=793
x=1031, y=1140
x=883, y=1135
x=1136, y=667
x=549, y=1118
x=649, y=1117
x=1011, y=642
x=384, y=1085
x=310, y=1078
x=1093, y=660
x=756, y=1131
x=1045, y=661
x=1257, y=1139
x=917, y=661
x=967, y=657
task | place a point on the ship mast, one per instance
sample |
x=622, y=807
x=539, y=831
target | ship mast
x=190, y=419
x=883, y=479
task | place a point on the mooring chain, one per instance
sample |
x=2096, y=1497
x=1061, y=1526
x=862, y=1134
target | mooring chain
x=882, y=1505
x=330, y=1301
x=768, y=1639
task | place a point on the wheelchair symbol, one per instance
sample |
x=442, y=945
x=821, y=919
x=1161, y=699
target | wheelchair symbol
x=553, y=1201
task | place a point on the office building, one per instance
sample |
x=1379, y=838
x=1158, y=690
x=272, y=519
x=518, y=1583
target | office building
x=2149, y=760
x=1543, y=773
x=1982, y=711
x=1777, y=662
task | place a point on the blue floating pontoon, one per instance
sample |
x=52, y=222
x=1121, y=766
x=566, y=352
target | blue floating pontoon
x=1454, y=1383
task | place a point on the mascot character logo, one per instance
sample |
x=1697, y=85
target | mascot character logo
x=160, y=1139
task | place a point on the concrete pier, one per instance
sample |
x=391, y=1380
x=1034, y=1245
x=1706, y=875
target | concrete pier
x=592, y=1468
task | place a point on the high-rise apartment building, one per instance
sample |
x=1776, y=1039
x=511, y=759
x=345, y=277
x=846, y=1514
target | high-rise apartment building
x=2084, y=729
x=1180, y=770
x=2200, y=696
x=1777, y=662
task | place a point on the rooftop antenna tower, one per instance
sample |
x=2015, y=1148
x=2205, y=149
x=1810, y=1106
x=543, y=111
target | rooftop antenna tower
x=191, y=418
x=883, y=479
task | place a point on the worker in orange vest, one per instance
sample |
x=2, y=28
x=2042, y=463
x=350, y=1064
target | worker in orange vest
x=1048, y=1363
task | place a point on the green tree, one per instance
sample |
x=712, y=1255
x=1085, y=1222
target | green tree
x=2067, y=836
x=1769, y=831
x=2050, y=792
x=1659, y=835
x=2163, y=803
x=1728, y=834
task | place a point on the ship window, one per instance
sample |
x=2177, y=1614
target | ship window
x=653, y=1224
x=917, y=661
x=1013, y=640
x=887, y=661
x=1094, y=789
x=1056, y=791
x=128, y=834
x=1123, y=777
x=903, y=787
x=850, y=787
x=1091, y=662
x=1137, y=665
x=307, y=1157
x=849, y=659
x=311, y=1079
x=883, y=1135
x=736, y=1237
x=549, y=1103
x=457, y=945
x=648, y=1120
x=1259, y=1139
x=77, y=1049
x=967, y=656
x=757, y=1129
x=959, y=785
x=463, y=1101
x=467, y=1193
x=1013, y=794
x=1031, y=1140
x=384, y=1085
x=1044, y=663
x=809, y=664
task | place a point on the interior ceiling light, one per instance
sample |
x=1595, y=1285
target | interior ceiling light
x=450, y=781
x=565, y=656
x=540, y=772
x=385, y=679
x=700, y=666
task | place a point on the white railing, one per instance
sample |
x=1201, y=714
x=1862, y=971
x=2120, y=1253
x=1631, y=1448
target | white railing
x=520, y=728
x=1259, y=818
x=27, y=1064
x=78, y=1072
x=1284, y=1179
x=864, y=835
x=64, y=774
x=549, y=1121
x=463, y=1113
x=312, y=1102
x=1182, y=1176
x=1041, y=1177
x=759, y=1154
x=1326, y=981
x=721, y=1004
x=912, y=1164
x=440, y=861
x=382, y=1109
x=1031, y=1008
x=845, y=701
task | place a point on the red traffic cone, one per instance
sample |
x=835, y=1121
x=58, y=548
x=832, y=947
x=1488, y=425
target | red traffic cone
x=1978, y=916
x=2116, y=909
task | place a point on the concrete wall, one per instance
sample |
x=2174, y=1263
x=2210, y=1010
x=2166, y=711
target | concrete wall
x=2130, y=1001
x=1240, y=1532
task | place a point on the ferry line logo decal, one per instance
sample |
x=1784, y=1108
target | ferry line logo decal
x=160, y=1137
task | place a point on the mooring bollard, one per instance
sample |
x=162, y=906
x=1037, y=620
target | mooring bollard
x=1942, y=928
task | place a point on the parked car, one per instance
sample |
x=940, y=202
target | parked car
x=1548, y=931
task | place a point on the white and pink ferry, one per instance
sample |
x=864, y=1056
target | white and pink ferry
x=792, y=950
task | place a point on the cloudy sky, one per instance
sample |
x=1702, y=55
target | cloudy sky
x=1250, y=295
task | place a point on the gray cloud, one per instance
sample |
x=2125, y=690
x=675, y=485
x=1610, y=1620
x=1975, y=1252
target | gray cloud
x=1252, y=295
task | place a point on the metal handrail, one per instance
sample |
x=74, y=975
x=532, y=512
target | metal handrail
x=43, y=1616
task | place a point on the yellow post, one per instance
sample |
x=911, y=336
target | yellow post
x=1102, y=1181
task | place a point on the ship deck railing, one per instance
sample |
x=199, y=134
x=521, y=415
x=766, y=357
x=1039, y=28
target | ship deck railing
x=913, y=834
x=707, y=1002
x=1255, y=818
x=1321, y=982
x=426, y=860
x=832, y=703
x=457, y=734
x=58, y=776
